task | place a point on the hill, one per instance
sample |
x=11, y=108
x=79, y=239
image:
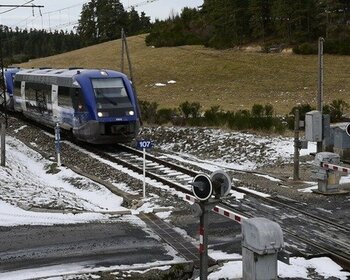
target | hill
x=233, y=79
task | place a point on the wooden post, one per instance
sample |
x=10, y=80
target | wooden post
x=122, y=58
x=320, y=85
x=129, y=60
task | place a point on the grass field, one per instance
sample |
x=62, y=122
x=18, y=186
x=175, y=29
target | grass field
x=230, y=78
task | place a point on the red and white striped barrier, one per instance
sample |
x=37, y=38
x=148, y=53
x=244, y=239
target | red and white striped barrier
x=334, y=167
x=220, y=210
x=229, y=214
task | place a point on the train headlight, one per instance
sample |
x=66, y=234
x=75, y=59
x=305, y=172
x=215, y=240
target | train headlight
x=131, y=113
x=102, y=114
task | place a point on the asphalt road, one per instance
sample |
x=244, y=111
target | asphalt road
x=117, y=243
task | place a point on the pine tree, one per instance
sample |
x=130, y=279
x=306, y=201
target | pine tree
x=87, y=27
x=261, y=23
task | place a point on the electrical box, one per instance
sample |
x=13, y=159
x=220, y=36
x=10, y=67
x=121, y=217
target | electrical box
x=313, y=126
x=262, y=236
x=262, y=239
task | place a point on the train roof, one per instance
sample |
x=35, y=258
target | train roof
x=62, y=77
x=12, y=69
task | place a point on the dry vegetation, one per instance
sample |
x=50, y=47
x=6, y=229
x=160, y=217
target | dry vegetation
x=232, y=79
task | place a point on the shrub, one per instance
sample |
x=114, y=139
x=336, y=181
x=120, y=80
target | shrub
x=280, y=125
x=190, y=109
x=257, y=110
x=268, y=110
x=148, y=111
x=336, y=109
x=240, y=120
x=303, y=109
x=215, y=116
x=165, y=115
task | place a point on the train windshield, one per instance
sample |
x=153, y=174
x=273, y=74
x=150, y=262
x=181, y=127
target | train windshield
x=111, y=94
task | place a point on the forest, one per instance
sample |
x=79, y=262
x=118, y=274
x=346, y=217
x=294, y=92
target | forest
x=21, y=45
x=221, y=24
x=228, y=23
x=100, y=21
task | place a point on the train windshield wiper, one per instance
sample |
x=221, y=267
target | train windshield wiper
x=108, y=99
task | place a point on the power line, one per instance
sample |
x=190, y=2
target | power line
x=141, y=4
x=14, y=7
x=31, y=21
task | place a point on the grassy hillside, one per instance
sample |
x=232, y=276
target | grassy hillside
x=233, y=79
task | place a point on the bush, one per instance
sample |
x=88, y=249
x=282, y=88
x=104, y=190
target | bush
x=280, y=125
x=336, y=109
x=303, y=109
x=190, y=109
x=258, y=118
x=257, y=110
x=215, y=116
x=165, y=115
x=148, y=111
x=240, y=120
x=268, y=110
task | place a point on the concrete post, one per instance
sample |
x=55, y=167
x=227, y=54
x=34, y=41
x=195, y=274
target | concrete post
x=262, y=239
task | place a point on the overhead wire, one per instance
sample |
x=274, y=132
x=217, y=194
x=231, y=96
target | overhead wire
x=42, y=14
x=14, y=8
x=31, y=20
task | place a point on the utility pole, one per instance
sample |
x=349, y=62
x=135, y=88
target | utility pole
x=3, y=112
x=320, y=75
x=296, y=145
x=3, y=107
x=3, y=101
x=320, y=85
x=125, y=50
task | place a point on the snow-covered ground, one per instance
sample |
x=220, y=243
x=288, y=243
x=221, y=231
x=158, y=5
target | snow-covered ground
x=29, y=182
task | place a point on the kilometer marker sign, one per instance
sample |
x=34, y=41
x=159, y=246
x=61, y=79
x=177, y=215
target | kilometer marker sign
x=144, y=144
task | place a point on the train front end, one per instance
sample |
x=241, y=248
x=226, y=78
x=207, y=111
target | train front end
x=9, y=75
x=112, y=105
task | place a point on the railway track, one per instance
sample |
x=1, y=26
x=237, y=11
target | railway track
x=324, y=235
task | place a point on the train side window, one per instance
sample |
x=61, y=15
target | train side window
x=30, y=91
x=17, y=91
x=64, y=97
x=35, y=89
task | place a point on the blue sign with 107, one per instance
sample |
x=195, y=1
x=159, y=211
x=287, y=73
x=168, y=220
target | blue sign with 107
x=144, y=144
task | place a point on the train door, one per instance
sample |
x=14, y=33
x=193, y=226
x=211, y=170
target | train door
x=54, y=101
x=78, y=103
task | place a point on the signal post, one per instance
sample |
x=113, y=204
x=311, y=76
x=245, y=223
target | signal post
x=204, y=187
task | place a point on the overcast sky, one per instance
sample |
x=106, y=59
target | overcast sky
x=63, y=14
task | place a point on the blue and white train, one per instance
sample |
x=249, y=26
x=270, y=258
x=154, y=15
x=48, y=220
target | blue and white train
x=97, y=106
